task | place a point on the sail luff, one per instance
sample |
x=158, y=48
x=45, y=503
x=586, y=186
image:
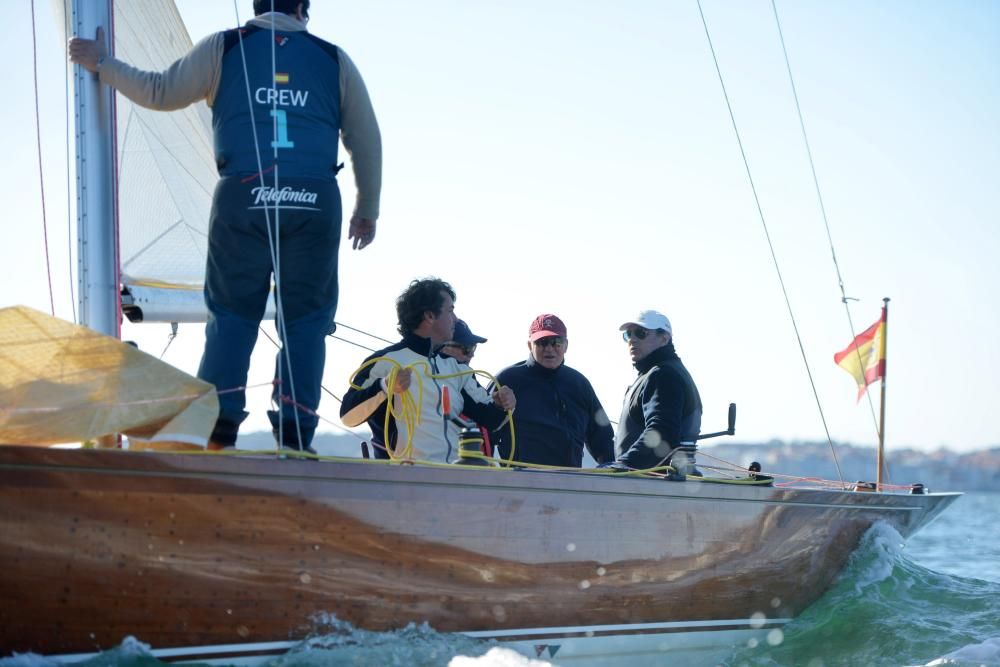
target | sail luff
x=167, y=175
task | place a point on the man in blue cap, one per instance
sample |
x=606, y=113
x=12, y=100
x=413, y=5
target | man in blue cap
x=462, y=345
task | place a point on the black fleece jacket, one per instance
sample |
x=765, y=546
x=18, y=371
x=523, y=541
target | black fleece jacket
x=661, y=410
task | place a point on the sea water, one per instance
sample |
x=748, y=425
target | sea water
x=934, y=600
x=931, y=600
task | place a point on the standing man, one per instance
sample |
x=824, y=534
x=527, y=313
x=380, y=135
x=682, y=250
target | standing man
x=661, y=415
x=433, y=383
x=560, y=413
x=282, y=200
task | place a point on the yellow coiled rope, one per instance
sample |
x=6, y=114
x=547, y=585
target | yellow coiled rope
x=409, y=411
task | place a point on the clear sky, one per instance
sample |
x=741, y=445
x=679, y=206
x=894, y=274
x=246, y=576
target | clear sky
x=576, y=157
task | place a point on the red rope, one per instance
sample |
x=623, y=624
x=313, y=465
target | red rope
x=41, y=173
x=115, y=183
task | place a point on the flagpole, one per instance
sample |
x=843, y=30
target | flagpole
x=881, y=419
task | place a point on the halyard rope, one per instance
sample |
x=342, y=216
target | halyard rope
x=822, y=208
x=41, y=173
x=272, y=240
x=767, y=235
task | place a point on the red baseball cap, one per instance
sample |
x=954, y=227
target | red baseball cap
x=544, y=326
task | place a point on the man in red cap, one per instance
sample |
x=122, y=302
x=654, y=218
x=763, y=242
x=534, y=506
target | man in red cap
x=559, y=411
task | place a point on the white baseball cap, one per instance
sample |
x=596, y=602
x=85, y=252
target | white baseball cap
x=650, y=319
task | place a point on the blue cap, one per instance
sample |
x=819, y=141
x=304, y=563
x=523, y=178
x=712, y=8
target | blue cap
x=463, y=335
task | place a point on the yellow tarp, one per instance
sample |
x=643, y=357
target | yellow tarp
x=60, y=382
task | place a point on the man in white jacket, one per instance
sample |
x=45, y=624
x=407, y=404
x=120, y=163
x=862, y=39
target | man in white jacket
x=438, y=385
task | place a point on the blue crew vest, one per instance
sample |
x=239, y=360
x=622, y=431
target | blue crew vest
x=305, y=124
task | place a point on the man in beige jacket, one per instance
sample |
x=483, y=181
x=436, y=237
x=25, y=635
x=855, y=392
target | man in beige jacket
x=280, y=199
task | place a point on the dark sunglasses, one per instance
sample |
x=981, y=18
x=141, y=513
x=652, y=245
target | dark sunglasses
x=466, y=349
x=550, y=341
x=637, y=333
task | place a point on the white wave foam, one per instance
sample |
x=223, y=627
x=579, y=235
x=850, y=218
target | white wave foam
x=881, y=546
x=26, y=660
x=985, y=654
x=129, y=648
x=132, y=648
x=497, y=657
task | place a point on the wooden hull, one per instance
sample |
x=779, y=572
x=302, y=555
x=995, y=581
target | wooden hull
x=185, y=550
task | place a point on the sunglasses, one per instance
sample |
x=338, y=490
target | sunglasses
x=550, y=341
x=466, y=349
x=637, y=333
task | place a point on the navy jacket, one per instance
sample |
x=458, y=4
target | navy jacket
x=557, y=414
x=662, y=408
x=305, y=89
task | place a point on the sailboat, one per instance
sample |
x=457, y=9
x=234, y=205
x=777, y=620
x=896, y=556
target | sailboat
x=239, y=558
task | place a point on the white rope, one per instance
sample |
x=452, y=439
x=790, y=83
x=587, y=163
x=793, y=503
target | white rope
x=279, y=299
x=279, y=316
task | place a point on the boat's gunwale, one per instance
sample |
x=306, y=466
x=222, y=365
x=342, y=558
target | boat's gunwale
x=179, y=464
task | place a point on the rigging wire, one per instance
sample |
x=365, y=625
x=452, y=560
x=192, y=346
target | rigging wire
x=322, y=386
x=350, y=342
x=770, y=244
x=360, y=331
x=41, y=172
x=170, y=338
x=69, y=186
x=822, y=207
x=344, y=340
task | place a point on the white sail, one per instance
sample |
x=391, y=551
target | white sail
x=166, y=174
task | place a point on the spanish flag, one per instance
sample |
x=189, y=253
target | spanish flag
x=281, y=77
x=864, y=358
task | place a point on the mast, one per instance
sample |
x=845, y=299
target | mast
x=96, y=203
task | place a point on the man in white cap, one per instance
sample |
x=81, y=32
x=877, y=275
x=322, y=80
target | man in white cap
x=661, y=414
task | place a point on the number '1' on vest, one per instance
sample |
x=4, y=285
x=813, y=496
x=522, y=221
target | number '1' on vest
x=295, y=104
